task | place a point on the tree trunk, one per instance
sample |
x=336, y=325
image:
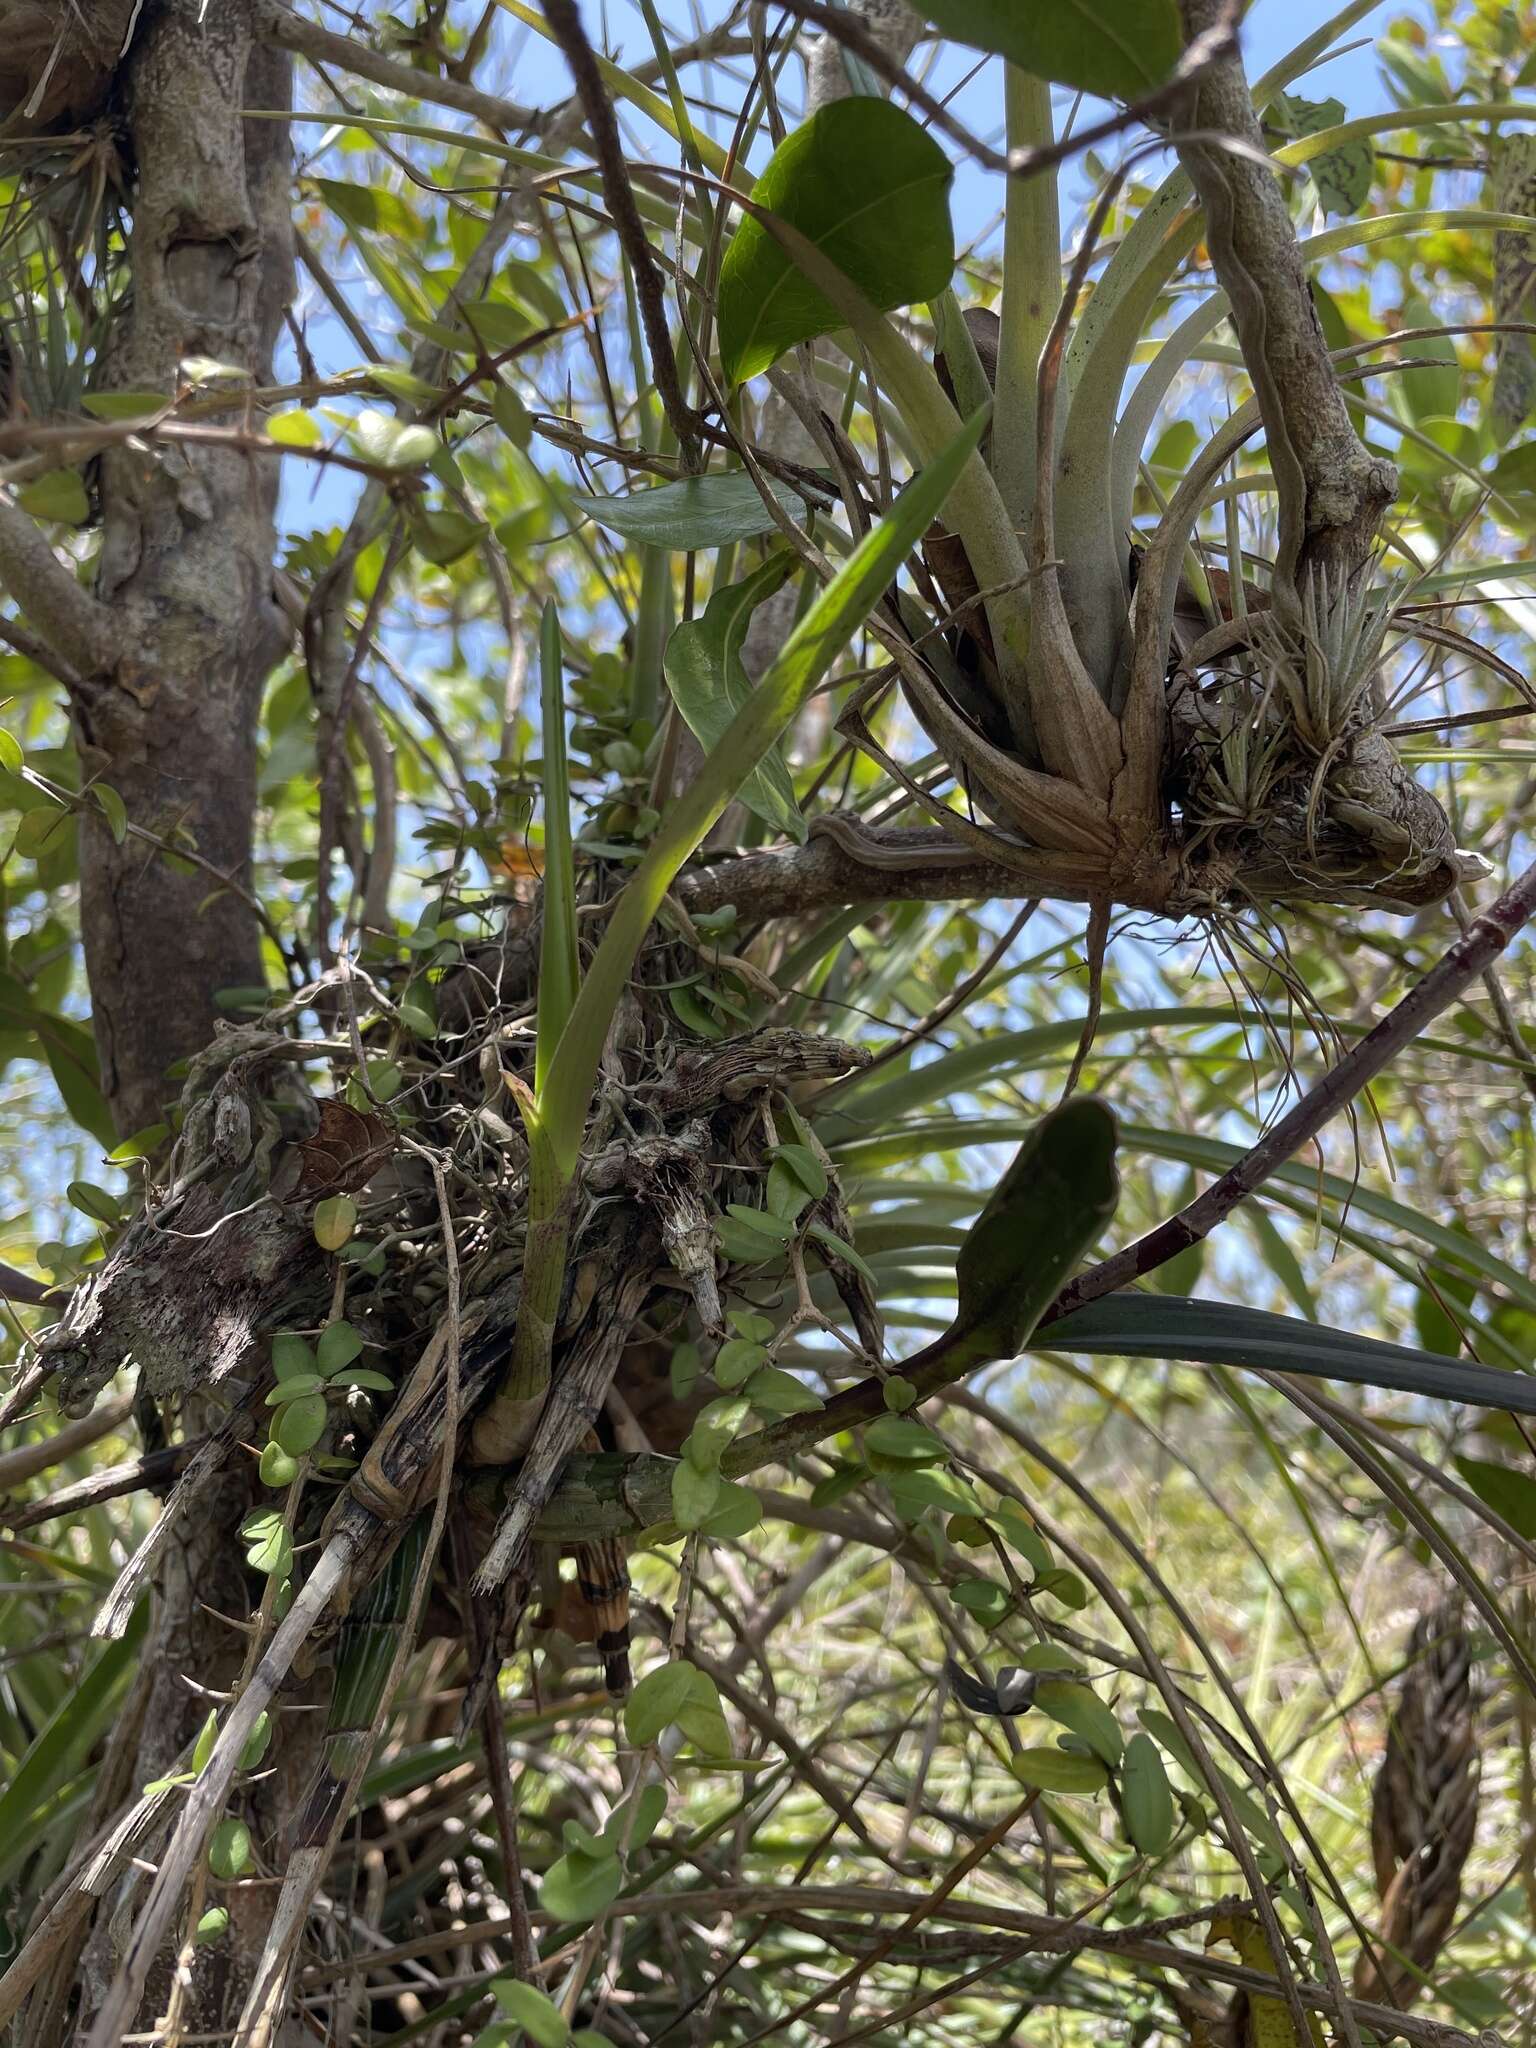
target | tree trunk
x=185, y=575
x=186, y=560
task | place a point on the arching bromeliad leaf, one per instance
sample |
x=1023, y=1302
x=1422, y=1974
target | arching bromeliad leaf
x=1117, y=48
x=1049, y=1206
x=1223, y=1333
x=697, y=512
x=870, y=188
x=709, y=686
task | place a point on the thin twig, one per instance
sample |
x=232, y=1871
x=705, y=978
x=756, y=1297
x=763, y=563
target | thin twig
x=607, y=146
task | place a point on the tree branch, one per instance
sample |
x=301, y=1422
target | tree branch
x=860, y=865
x=1332, y=490
x=1485, y=938
x=274, y=21
x=564, y=21
x=75, y=626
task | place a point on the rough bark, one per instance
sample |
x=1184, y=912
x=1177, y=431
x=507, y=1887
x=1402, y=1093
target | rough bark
x=168, y=662
x=1333, y=491
x=186, y=559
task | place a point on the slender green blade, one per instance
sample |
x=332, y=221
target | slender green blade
x=1223, y=1333
x=559, y=968
x=789, y=680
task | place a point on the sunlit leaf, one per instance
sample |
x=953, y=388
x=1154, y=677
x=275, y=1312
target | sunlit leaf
x=870, y=188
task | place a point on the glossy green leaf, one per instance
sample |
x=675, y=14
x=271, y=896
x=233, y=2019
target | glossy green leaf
x=1119, y=49
x=1048, y=1208
x=870, y=188
x=709, y=686
x=697, y=512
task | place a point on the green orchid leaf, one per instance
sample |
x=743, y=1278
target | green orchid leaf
x=870, y=189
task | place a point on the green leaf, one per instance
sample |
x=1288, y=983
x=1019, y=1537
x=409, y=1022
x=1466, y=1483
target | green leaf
x=207, y=1736
x=1022, y=1536
x=893, y=1436
x=709, y=686
x=335, y=1221
x=373, y=208
x=56, y=494
x=442, y=534
x=511, y=415
x=697, y=512
x=579, y=1887
x=736, y=1510
x=300, y=1425
x=1434, y=393
x=765, y=1222
x=1118, y=49
x=1343, y=175
x=113, y=808
x=870, y=188
x=294, y=1388
x=1055, y=1770
x=912, y=1491
x=213, y=1925
x=1508, y=1492
x=559, y=963
x=362, y=1376
x=99, y=1204
x=650, y=1806
x=841, y=1249
x=805, y=1166
x=693, y=1494
x=988, y=1602
x=392, y=444
x=291, y=1356
x=229, y=1849
x=899, y=1394
x=1222, y=1333
x=1050, y=1205
x=533, y=2010
x=277, y=1468
x=256, y=1742
x=124, y=405
x=736, y=1361
x=776, y=1392
x=1146, y=1796
x=269, y=1546
x=339, y=1344
x=805, y=658
x=702, y=1719
x=1081, y=1710
x=657, y=1701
